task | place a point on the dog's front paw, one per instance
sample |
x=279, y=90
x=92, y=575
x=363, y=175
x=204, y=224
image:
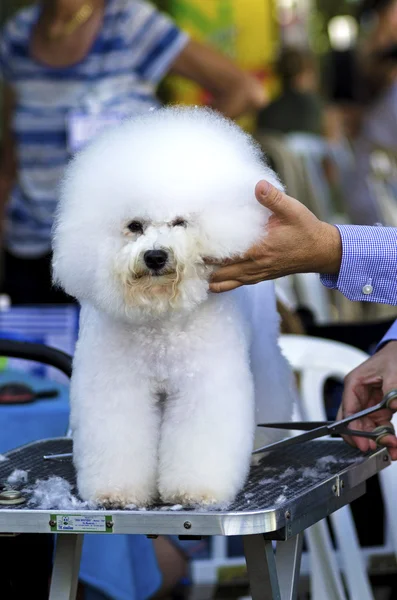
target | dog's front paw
x=117, y=496
x=196, y=497
x=123, y=499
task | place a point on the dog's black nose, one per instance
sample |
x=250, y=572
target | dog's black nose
x=155, y=259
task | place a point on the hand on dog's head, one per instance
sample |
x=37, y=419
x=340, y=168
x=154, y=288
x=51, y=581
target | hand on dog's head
x=146, y=201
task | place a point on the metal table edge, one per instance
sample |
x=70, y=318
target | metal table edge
x=190, y=522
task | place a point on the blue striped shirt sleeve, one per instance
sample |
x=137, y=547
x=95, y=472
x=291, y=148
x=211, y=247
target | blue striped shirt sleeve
x=154, y=38
x=368, y=270
x=5, y=73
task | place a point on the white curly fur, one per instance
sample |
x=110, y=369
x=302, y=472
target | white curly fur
x=165, y=373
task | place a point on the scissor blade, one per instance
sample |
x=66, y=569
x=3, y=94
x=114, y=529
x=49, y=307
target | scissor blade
x=296, y=425
x=363, y=413
x=304, y=437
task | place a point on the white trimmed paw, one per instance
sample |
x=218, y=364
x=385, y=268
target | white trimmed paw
x=199, y=497
x=118, y=496
x=123, y=500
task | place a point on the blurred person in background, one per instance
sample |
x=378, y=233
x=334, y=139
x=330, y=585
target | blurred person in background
x=299, y=107
x=377, y=63
x=69, y=67
x=301, y=134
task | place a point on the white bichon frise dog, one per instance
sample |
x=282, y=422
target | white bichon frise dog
x=169, y=379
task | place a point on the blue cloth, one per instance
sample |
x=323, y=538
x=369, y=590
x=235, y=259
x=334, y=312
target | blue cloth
x=134, y=49
x=119, y=567
x=389, y=336
x=368, y=271
x=122, y=567
x=25, y=423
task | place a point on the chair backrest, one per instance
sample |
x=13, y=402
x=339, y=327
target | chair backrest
x=316, y=360
x=313, y=151
x=313, y=295
x=382, y=182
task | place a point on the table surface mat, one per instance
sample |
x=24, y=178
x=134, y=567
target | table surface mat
x=280, y=477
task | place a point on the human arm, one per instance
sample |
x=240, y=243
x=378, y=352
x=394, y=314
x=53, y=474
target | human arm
x=364, y=387
x=295, y=241
x=7, y=153
x=234, y=91
x=361, y=262
x=166, y=49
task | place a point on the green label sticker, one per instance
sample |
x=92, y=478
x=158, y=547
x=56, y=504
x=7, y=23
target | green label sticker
x=81, y=524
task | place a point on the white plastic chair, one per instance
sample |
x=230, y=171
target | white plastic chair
x=306, y=290
x=316, y=360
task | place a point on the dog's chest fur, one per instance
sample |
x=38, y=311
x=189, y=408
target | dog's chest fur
x=173, y=349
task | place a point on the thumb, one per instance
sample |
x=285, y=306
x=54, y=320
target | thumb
x=274, y=199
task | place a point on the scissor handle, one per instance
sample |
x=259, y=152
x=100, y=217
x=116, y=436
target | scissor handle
x=389, y=397
x=385, y=403
x=382, y=431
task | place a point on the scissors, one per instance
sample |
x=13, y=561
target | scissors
x=317, y=429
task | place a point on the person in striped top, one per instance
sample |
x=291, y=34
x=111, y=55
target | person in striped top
x=70, y=68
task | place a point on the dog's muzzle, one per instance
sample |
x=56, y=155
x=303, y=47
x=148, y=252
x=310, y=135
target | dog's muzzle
x=155, y=260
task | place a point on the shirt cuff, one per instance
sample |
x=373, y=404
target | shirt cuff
x=368, y=271
x=390, y=336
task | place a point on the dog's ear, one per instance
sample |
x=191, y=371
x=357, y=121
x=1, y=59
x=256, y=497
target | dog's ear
x=230, y=230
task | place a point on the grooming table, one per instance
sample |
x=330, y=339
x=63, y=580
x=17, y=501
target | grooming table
x=286, y=493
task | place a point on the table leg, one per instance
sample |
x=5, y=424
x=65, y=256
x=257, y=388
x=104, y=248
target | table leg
x=261, y=567
x=288, y=560
x=65, y=572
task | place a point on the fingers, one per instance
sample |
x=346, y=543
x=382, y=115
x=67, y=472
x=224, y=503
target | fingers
x=359, y=387
x=393, y=453
x=363, y=444
x=207, y=260
x=366, y=444
x=390, y=441
x=224, y=286
x=275, y=200
x=232, y=272
x=393, y=406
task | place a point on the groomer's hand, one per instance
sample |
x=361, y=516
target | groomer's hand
x=365, y=386
x=295, y=241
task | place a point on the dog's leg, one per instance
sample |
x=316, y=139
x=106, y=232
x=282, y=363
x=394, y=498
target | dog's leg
x=208, y=426
x=115, y=444
x=115, y=422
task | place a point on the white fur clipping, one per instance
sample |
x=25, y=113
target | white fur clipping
x=17, y=476
x=55, y=493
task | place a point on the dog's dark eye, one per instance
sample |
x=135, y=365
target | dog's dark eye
x=179, y=222
x=135, y=227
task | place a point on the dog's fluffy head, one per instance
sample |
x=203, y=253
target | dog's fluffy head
x=148, y=200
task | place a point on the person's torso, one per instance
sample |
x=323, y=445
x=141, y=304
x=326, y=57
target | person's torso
x=380, y=122
x=104, y=82
x=293, y=112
